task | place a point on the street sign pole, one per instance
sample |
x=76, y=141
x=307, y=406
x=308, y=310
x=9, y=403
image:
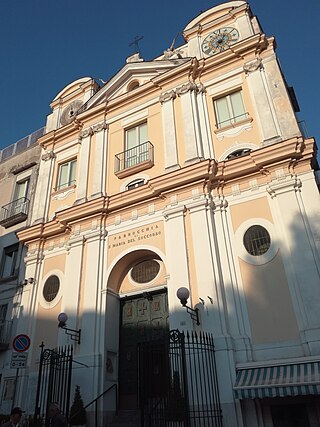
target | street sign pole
x=15, y=389
x=20, y=344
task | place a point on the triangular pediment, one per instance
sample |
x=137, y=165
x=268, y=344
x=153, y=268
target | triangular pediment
x=134, y=74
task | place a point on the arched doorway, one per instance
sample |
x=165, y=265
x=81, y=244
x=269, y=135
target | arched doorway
x=139, y=279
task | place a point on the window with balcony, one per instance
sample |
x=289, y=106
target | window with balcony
x=66, y=174
x=17, y=210
x=229, y=110
x=9, y=262
x=136, y=148
x=138, y=152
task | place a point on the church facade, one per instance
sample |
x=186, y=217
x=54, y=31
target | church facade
x=187, y=171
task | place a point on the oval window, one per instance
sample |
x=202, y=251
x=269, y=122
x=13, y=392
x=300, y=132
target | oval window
x=256, y=240
x=145, y=271
x=51, y=288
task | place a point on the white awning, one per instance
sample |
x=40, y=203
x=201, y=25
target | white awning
x=298, y=379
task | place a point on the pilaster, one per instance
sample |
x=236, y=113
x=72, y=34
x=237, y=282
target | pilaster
x=261, y=99
x=169, y=130
x=83, y=166
x=99, y=172
x=192, y=139
x=42, y=196
x=299, y=255
x=177, y=265
x=206, y=134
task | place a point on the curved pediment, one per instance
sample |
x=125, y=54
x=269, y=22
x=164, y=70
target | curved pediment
x=72, y=87
x=211, y=14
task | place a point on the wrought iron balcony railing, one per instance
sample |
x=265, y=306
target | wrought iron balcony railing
x=14, y=212
x=135, y=159
x=5, y=334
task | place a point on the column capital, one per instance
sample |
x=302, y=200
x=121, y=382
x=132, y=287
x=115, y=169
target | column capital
x=172, y=212
x=48, y=155
x=85, y=133
x=253, y=65
x=99, y=127
x=219, y=203
x=185, y=88
x=284, y=186
x=167, y=96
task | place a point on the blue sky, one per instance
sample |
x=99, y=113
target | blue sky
x=46, y=44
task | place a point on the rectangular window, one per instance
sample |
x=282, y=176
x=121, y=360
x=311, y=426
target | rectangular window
x=229, y=109
x=21, y=189
x=136, y=149
x=20, y=202
x=9, y=261
x=67, y=174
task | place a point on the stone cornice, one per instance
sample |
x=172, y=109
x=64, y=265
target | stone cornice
x=251, y=46
x=48, y=140
x=159, y=187
x=263, y=161
x=290, y=154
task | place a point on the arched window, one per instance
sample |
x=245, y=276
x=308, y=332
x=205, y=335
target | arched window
x=238, y=153
x=136, y=183
x=133, y=85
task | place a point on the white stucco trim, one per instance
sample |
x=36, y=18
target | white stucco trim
x=133, y=178
x=241, y=250
x=128, y=251
x=238, y=146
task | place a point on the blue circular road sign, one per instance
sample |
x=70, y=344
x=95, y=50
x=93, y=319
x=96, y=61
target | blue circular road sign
x=21, y=343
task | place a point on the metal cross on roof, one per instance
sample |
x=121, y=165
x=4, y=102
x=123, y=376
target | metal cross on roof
x=135, y=43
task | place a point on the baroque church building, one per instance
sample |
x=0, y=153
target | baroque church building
x=180, y=196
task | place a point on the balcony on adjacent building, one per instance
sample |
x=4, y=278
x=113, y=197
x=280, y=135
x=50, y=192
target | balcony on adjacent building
x=134, y=160
x=14, y=212
x=5, y=334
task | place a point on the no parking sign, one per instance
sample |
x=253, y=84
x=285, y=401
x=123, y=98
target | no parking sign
x=21, y=343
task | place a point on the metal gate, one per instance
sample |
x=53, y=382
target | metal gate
x=54, y=382
x=178, y=382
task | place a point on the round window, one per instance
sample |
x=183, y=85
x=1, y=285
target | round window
x=145, y=271
x=51, y=288
x=256, y=240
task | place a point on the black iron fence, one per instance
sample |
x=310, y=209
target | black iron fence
x=54, y=382
x=178, y=382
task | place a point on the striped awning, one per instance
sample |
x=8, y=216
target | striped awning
x=278, y=381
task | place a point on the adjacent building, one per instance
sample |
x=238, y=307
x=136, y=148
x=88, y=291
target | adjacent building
x=19, y=165
x=190, y=170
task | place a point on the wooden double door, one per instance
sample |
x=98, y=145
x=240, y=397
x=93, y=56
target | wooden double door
x=144, y=318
